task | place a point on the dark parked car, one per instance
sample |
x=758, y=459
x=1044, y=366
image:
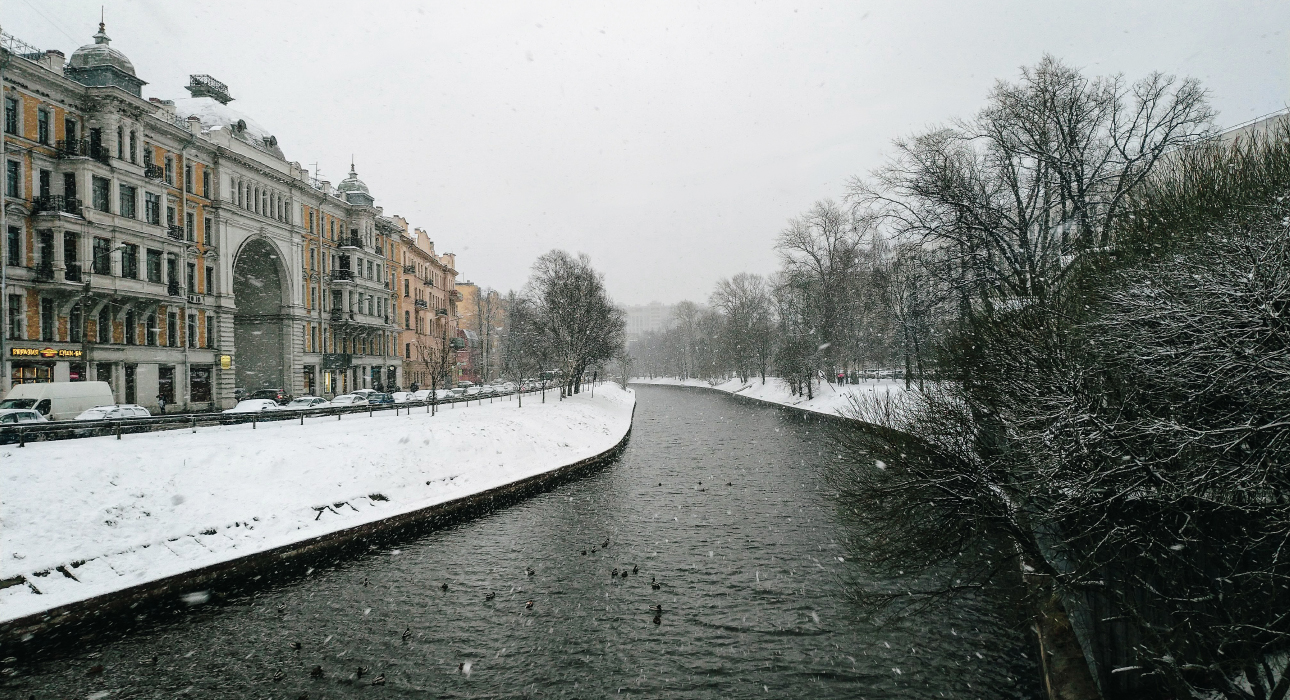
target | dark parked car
x=380, y=399
x=279, y=395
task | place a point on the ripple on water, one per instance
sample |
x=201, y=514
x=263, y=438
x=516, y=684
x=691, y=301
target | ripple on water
x=753, y=596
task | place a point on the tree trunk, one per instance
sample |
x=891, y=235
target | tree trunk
x=1066, y=670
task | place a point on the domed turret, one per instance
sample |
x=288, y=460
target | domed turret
x=100, y=65
x=354, y=190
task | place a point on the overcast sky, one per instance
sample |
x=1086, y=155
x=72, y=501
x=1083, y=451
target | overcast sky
x=669, y=141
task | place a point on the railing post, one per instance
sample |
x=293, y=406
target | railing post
x=22, y=438
x=118, y=430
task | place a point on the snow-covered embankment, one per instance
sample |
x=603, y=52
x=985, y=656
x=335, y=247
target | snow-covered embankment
x=830, y=399
x=85, y=518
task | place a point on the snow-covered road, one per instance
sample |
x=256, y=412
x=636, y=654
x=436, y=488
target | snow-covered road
x=80, y=518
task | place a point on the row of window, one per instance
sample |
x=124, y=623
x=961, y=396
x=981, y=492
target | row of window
x=101, y=259
x=44, y=135
x=102, y=331
x=319, y=340
x=263, y=201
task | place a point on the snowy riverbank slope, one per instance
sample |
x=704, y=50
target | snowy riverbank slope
x=80, y=518
x=829, y=398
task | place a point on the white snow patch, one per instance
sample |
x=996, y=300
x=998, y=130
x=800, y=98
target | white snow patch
x=111, y=514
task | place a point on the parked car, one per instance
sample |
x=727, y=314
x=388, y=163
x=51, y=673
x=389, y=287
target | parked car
x=301, y=403
x=403, y=396
x=443, y=394
x=377, y=398
x=363, y=392
x=459, y=391
x=58, y=400
x=281, y=396
x=254, y=406
x=471, y=391
x=349, y=400
x=11, y=416
x=421, y=395
x=114, y=412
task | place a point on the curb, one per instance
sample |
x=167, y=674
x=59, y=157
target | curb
x=82, y=620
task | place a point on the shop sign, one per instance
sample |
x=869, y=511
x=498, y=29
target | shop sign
x=225, y=361
x=44, y=353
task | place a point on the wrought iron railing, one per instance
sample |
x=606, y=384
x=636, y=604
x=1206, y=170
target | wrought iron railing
x=421, y=304
x=338, y=275
x=56, y=203
x=154, y=172
x=73, y=273
x=172, y=288
x=175, y=232
x=409, y=269
x=82, y=148
x=45, y=272
x=351, y=242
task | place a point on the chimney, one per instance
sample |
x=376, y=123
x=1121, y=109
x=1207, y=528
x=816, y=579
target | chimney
x=54, y=60
x=195, y=125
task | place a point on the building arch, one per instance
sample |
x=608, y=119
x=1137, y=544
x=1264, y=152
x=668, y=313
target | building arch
x=261, y=290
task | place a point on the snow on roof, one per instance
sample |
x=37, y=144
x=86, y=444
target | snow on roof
x=220, y=116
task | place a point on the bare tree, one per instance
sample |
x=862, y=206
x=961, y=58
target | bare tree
x=573, y=315
x=1040, y=173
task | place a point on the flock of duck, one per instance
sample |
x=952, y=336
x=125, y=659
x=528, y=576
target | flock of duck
x=654, y=583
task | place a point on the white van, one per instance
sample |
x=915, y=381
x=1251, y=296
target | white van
x=59, y=400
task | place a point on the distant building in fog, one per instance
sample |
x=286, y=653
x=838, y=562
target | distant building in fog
x=650, y=317
x=1260, y=127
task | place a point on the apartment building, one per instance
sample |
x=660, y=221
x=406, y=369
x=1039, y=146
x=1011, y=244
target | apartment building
x=427, y=296
x=169, y=248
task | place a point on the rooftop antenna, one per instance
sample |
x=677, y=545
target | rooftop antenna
x=102, y=18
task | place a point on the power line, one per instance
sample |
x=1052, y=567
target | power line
x=52, y=23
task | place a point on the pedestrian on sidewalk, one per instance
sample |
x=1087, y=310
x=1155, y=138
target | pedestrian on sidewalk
x=161, y=404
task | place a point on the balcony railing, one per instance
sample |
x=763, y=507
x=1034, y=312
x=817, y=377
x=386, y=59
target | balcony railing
x=440, y=312
x=351, y=242
x=45, y=272
x=56, y=203
x=175, y=232
x=154, y=172
x=81, y=148
x=421, y=304
x=341, y=275
x=173, y=288
x=409, y=269
x=73, y=273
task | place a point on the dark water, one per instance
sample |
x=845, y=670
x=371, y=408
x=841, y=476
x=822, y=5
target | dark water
x=740, y=532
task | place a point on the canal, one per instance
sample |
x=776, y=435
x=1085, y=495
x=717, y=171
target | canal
x=721, y=502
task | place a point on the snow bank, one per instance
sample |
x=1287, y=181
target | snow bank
x=829, y=398
x=80, y=518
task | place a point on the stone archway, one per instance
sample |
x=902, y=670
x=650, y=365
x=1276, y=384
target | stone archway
x=258, y=338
